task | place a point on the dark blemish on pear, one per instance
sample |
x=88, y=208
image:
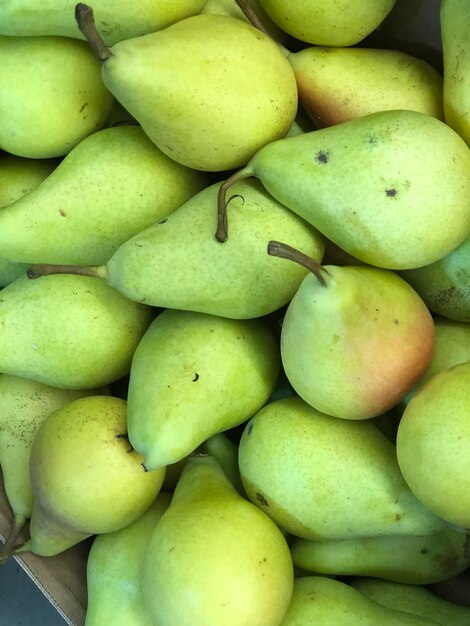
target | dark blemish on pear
x=322, y=157
x=424, y=550
x=172, y=548
x=196, y=377
x=396, y=322
x=83, y=106
x=62, y=212
x=397, y=517
x=261, y=499
x=391, y=193
x=145, y=468
x=372, y=139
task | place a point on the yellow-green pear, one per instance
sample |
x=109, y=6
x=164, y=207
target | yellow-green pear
x=321, y=477
x=214, y=558
x=86, y=479
x=413, y=599
x=391, y=188
x=209, y=90
x=327, y=22
x=433, y=444
x=113, y=571
x=414, y=559
x=107, y=189
x=52, y=97
x=323, y=601
x=455, y=30
x=194, y=375
x=73, y=332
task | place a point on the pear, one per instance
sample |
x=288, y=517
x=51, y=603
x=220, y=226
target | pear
x=377, y=338
x=413, y=599
x=435, y=426
x=214, y=558
x=340, y=84
x=116, y=19
x=225, y=452
x=209, y=90
x=327, y=23
x=52, y=96
x=85, y=479
x=113, y=571
x=391, y=188
x=73, y=332
x=414, y=559
x=455, y=30
x=179, y=368
x=318, y=600
x=111, y=186
x=321, y=477
x=178, y=263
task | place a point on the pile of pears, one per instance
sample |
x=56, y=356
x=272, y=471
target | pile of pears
x=235, y=308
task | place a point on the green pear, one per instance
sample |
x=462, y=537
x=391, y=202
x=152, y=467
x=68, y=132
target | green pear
x=52, y=96
x=455, y=30
x=435, y=429
x=214, y=558
x=85, y=479
x=73, y=332
x=179, y=264
x=113, y=571
x=445, y=284
x=391, y=188
x=414, y=559
x=110, y=187
x=116, y=19
x=340, y=84
x=327, y=22
x=377, y=338
x=225, y=452
x=209, y=90
x=321, y=477
x=322, y=601
x=194, y=375
x=413, y=599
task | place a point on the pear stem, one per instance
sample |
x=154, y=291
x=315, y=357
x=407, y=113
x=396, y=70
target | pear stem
x=253, y=18
x=222, y=226
x=18, y=525
x=86, y=24
x=44, y=269
x=284, y=251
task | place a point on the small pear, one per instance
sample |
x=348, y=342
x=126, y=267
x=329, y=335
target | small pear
x=214, y=558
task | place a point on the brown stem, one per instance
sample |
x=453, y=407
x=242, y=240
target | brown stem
x=222, y=227
x=283, y=251
x=18, y=525
x=250, y=13
x=44, y=269
x=86, y=23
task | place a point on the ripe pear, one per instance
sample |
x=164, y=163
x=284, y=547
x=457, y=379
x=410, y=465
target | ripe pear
x=214, y=558
x=376, y=339
x=413, y=599
x=209, y=90
x=73, y=332
x=321, y=477
x=455, y=30
x=52, y=96
x=85, y=478
x=113, y=571
x=111, y=186
x=318, y=600
x=414, y=559
x=116, y=19
x=391, y=188
x=435, y=426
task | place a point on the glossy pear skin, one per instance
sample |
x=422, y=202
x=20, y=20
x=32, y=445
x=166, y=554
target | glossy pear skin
x=435, y=426
x=377, y=340
x=404, y=196
x=85, y=479
x=113, y=571
x=179, y=264
x=32, y=69
x=247, y=574
x=106, y=190
x=210, y=90
x=340, y=84
x=116, y=19
x=179, y=368
x=45, y=336
x=321, y=477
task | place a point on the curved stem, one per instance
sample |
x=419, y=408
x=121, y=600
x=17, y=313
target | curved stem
x=222, y=227
x=86, y=24
x=284, y=251
x=21, y=549
x=44, y=269
x=250, y=13
x=18, y=525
